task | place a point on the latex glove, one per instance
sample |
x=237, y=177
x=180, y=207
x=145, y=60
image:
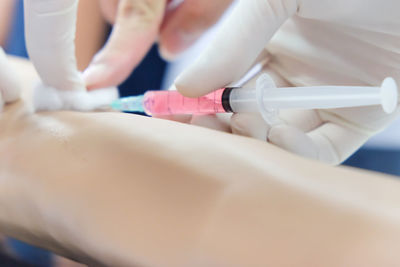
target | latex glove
x=10, y=88
x=139, y=23
x=50, y=33
x=317, y=42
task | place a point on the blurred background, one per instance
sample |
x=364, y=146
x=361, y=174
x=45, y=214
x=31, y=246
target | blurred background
x=381, y=154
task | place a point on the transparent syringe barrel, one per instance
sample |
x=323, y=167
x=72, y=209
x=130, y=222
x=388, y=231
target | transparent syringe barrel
x=323, y=97
x=171, y=102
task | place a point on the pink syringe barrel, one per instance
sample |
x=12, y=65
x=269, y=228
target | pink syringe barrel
x=172, y=102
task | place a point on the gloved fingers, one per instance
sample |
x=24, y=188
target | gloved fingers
x=109, y=8
x=50, y=33
x=250, y=125
x=336, y=142
x=334, y=134
x=370, y=119
x=253, y=125
x=212, y=122
x=178, y=118
x=186, y=23
x=284, y=136
x=217, y=122
x=291, y=136
x=293, y=140
x=330, y=143
x=46, y=98
x=240, y=40
x=136, y=28
x=304, y=120
x=10, y=87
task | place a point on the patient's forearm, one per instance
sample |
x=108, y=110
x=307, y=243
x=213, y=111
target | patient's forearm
x=127, y=190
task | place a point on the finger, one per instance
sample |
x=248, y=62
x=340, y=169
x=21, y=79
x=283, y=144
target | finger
x=135, y=31
x=238, y=43
x=293, y=140
x=109, y=8
x=178, y=118
x=330, y=143
x=346, y=130
x=185, y=24
x=305, y=120
x=291, y=136
x=10, y=87
x=211, y=122
x=336, y=142
x=249, y=125
x=215, y=122
x=50, y=34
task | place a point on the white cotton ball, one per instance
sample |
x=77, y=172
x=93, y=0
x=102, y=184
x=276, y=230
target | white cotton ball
x=76, y=100
x=47, y=98
x=104, y=96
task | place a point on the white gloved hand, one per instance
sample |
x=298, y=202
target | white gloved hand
x=175, y=24
x=10, y=88
x=50, y=33
x=316, y=42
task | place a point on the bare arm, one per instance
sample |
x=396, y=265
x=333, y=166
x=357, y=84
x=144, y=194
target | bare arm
x=6, y=12
x=119, y=190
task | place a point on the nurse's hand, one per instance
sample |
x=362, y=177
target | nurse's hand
x=138, y=24
x=50, y=28
x=316, y=42
x=10, y=88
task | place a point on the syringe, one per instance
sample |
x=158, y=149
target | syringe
x=265, y=98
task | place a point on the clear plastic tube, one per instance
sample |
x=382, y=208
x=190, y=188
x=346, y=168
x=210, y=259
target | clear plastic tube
x=171, y=102
x=320, y=97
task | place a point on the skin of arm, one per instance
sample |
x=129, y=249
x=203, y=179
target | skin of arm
x=6, y=12
x=120, y=190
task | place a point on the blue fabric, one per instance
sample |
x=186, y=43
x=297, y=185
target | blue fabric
x=379, y=160
x=8, y=261
x=15, y=44
x=147, y=76
x=29, y=254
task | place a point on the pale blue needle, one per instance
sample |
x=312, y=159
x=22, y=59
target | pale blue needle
x=129, y=104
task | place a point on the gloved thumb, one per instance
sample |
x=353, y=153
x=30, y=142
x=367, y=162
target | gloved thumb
x=293, y=140
x=284, y=136
x=240, y=40
x=249, y=125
